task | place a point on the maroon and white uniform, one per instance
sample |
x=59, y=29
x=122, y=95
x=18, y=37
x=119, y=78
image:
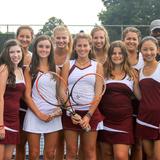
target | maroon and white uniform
x=23, y=107
x=86, y=92
x=135, y=101
x=140, y=62
x=148, y=121
x=117, y=108
x=11, y=112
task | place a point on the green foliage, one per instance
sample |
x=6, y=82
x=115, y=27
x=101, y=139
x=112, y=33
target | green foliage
x=128, y=12
x=49, y=26
x=4, y=37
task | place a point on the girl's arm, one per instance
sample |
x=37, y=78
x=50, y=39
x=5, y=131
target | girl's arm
x=28, y=97
x=136, y=89
x=64, y=74
x=98, y=91
x=4, y=77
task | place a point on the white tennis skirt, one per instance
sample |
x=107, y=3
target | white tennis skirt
x=34, y=125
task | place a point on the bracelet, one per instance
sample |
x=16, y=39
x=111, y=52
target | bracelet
x=88, y=114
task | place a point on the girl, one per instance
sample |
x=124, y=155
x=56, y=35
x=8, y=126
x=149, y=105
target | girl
x=62, y=40
x=100, y=43
x=72, y=70
x=24, y=36
x=12, y=88
x=121, y=82
x=131, y=38
x=100, y=49
x=148, y=119
x=37, y=119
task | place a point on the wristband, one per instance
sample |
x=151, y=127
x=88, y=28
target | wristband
x=89, y=115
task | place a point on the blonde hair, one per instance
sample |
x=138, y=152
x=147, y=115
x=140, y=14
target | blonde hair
x=106, y=46
x=64, y=28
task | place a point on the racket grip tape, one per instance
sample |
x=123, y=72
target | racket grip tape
x=88, y=128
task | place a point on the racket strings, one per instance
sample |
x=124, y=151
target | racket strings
x=85, y=91
x=46, y=88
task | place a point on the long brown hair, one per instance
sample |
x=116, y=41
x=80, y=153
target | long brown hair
x=109, y=65
x=35, y=58
x=6, y=60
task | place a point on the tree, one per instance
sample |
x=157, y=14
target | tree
x=48, y=27
x=128, y=12
x=4, y=37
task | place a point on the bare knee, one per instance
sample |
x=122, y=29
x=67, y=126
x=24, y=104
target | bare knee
x=71, y=152
x=121, y=156
x=90, y=152
x=34, y=154
x=7, y=157
x=49, y=154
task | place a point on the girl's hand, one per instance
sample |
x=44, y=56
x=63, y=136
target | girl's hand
x=2, y=133
x=76, y=118
x=56, y=113
x=44, y=117
x=135, y=75
x=85, y=122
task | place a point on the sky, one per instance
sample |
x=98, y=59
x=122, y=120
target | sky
x=37, y=12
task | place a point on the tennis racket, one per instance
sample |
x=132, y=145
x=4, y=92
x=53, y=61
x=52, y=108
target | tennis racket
x=87, y=90
x=50, y=93
x=75, y=95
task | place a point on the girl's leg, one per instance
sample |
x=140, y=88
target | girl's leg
x=21, y=148
x=2, y=151
x=59, y=154
x=34, y=145
x=71, y=138
x=121, y=151
x=148, y=149
x=88, y=144
x=136, y=150
x=50, y=143
x=157, y=150
x=98, y=151
x=106, y=151
x=8, y=151
x=80, y=152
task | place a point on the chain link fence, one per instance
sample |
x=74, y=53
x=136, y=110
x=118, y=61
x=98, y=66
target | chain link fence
x=8, y=31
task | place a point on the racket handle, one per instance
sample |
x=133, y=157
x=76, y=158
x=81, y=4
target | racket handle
x=71, y=110
x=88, y=128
